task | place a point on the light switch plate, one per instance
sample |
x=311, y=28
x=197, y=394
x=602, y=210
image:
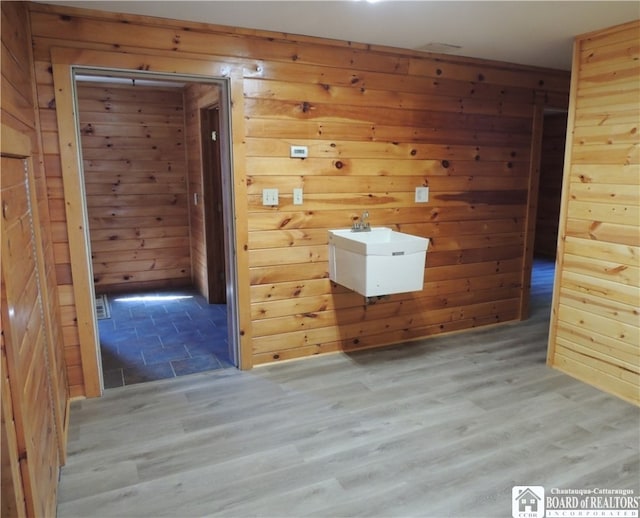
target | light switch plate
x=297, y=196
x=270, y=197
x=422, y=194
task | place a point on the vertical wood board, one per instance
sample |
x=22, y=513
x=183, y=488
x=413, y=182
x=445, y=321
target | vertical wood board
x=599, y=224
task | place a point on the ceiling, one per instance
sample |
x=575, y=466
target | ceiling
x=530, y=32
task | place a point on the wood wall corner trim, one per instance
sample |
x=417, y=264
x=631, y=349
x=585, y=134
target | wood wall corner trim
x=75, y=211
x=241, y=244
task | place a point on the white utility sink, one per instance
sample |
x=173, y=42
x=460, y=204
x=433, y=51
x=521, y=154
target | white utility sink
x=377, y=262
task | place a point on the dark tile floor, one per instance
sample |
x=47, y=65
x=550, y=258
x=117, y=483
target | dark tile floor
x=161, y=334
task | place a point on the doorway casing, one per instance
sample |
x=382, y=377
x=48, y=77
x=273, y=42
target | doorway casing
x=66, y=64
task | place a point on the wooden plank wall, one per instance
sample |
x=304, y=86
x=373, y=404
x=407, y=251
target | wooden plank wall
x=41, y=411
x=554, y=135
x=18, y=103
x=594, y=328
x=197, y=96
x=133, y=145
x=378, y=122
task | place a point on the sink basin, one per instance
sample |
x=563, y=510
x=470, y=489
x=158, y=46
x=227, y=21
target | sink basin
x=379, y=262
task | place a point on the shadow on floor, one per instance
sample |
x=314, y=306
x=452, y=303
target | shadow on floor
x=161, y=334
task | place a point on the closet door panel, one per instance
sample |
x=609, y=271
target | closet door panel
x=28, y=369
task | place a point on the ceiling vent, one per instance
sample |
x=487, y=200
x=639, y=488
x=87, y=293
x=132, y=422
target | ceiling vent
x=440, y=48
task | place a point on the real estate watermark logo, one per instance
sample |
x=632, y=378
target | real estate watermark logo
x=527, y=502
x=531, y=502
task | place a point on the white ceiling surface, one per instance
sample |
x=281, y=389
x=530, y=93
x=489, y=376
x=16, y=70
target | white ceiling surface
x=530, y=32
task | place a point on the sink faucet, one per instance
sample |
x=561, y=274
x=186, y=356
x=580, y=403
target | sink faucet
x=362, y=225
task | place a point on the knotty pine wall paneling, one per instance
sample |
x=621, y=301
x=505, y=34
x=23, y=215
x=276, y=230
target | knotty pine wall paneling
x=35, y=393
x=378, y=122
x=18, y=111
x=594, y=334
x=554, y=136
x=135, y=172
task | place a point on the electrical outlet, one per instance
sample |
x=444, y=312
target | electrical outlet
x=297, y=196
x=270, y=197
x=422, y=194
x=299, y=152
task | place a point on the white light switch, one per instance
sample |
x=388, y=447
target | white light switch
x=269, y=196
x=297, y=196
x=422, y=194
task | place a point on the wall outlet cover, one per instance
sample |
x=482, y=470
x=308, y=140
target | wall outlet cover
x=422, y=194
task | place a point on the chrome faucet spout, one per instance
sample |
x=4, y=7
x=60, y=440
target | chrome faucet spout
x=362, y=225
x=365, y=220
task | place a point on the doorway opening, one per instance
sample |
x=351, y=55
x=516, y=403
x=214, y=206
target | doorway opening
x=551, y=160
x=213, y=212
x=554, y=136
x=159, y=218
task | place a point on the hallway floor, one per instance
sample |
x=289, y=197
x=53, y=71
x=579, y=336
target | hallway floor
x=161, y=334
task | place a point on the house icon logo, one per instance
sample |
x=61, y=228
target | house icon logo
x=527, y=501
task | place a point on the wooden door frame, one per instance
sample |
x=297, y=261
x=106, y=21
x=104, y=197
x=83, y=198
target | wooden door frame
x=65, y=62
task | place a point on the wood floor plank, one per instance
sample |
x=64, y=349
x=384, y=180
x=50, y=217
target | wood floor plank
x=440, y=427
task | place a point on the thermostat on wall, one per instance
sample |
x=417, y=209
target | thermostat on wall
x=299, y=151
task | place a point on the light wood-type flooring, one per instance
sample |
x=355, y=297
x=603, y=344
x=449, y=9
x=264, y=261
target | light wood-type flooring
x=441, y=427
